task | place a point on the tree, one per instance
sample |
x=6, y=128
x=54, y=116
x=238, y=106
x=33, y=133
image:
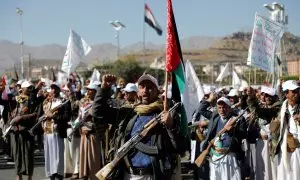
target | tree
x=130, y=69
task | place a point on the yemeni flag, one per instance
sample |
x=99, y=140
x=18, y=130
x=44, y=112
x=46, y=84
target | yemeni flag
x=151, y=21
x=175, y=65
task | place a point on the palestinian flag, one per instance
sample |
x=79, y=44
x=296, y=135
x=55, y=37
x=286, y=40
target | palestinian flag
x=151, y=21
x=175, y=65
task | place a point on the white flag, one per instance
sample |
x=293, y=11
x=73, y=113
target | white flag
x=62, y=78
x=224, y=73
x=266, y=34
x=158, y=63
x=77, y=48
x=95, y=76
x=195, y=94
x=236, y=81
x=194, y=87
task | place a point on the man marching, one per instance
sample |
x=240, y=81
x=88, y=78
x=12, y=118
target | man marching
x=55, y=130
x=226, y=150
x=23, y=118
x=153, y=157
x=92, y=143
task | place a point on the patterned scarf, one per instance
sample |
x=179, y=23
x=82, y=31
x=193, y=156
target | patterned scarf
x=143, y=109
x=22, y=98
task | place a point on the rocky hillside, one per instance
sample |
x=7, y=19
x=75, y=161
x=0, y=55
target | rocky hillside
x=233, y=48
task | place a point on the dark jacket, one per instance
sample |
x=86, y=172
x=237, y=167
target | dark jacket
x=163, y=139
x=237, y=134
x=202, y=109
x=266, y=113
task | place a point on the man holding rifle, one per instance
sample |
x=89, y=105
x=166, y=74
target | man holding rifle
x=152, y=157
x=284, y=130
x=71, y=154
x=92, y=142
x=21, y=118
x=55, y=130
x=225, y=151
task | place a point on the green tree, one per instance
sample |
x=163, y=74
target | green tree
x=130, y=69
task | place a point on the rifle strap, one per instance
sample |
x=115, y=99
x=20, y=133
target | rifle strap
x=149, y=150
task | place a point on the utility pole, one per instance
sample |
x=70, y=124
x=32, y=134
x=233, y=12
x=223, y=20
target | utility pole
x=20, y=12
x=29, y=66
x=117, y=25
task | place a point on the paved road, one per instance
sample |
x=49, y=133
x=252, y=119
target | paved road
x=8, y=174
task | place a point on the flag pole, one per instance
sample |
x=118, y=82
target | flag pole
x=166, y=91
x=144, y=35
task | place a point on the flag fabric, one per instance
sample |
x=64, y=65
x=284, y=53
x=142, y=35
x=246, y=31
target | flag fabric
x=224, y=73
x=151, y=21
x=77, y=48
x=265, y=37
x=62, y=78
x=236, y=81
x=175, y=65
x=95, y=76
x=194, y=90
x=195, y=95
x=158, y=63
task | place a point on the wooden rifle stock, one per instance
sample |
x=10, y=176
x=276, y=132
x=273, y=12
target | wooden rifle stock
x=130, y=144
x=200, y=159
x=44, y=117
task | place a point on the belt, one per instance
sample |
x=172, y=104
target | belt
x=222, y=150
x=141, y=171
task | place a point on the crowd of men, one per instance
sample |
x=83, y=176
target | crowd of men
x=82, y=127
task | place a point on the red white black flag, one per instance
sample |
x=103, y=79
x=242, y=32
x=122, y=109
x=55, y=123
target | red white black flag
x=151, y=21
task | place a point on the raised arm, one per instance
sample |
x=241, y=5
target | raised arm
x=101, y=109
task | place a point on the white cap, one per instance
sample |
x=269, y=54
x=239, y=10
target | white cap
x=92, y=86
x=26, y=84
x=233, y=92
x=289, y=85
x=130, y=87
x=225, y=100
x=268, y=90
x=20, y=82
x=148, y=77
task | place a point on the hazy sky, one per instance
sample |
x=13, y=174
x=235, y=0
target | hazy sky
x=49, y=21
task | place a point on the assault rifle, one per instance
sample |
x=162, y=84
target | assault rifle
x=130, y=144
x=200, y=159
x=81, y=119
x=44, y=117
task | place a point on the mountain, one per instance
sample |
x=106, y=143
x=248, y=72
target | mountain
x=10, y=52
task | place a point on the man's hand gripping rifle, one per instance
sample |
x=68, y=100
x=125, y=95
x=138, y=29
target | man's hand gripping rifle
x=130, y=144
x=44, y=117
x=79, y=121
